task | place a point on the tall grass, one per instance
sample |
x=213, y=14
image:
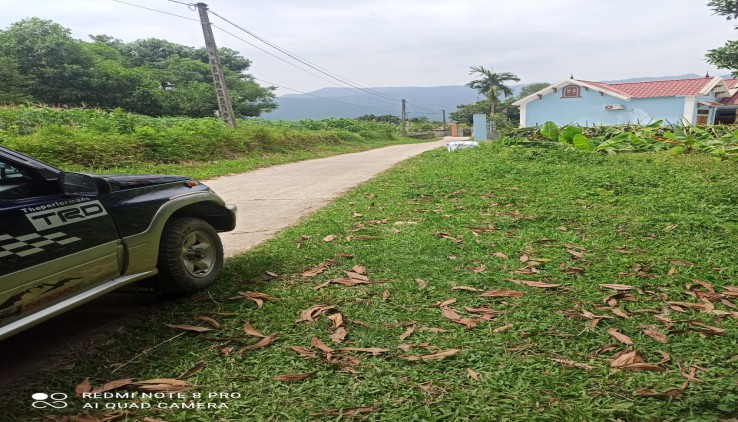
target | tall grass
x=113, y=139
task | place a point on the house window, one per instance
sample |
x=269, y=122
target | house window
x=571, y=91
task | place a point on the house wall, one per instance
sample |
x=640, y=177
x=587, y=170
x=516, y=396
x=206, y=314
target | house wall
x=588, y=110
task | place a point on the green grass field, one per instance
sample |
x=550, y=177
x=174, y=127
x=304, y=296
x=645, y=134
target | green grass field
x=494, y=283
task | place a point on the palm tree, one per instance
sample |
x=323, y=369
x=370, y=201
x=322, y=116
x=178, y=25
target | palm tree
x=491, y=85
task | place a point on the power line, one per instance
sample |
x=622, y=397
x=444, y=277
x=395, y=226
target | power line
x=295, y=57
x=311, y=95
x=303, y=61
x=158, y=11
x=274, y=55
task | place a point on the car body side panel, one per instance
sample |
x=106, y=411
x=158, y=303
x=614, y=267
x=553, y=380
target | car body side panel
x=66, y=277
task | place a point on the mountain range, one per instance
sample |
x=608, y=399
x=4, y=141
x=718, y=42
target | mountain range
x=421, y=101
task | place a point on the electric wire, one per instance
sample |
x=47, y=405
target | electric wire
x=281, y=59
x=303, y=61
x=312, y=95
x=155, y=10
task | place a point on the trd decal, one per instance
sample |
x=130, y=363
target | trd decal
x=50, y=217
x=31, y=243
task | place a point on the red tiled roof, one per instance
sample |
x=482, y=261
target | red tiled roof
x=651, y=89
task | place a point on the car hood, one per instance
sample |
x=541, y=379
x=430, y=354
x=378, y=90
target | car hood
x=128, y=181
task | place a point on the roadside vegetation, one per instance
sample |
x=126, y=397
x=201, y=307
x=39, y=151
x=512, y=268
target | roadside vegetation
x=117, y=141
x=717, y=140
x=492, y=283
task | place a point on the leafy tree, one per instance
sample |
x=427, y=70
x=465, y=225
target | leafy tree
x=508, y=116
x=727, y=8
x=492, y=85
x=725, y=57
x=385, y=118
x=532, y=88
x=40, y=61
x=46, y=52
x=14, y=86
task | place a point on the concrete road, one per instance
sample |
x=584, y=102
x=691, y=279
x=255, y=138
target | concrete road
x=268, y=199
x=273, y=198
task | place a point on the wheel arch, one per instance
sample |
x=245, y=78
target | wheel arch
x=142, y=249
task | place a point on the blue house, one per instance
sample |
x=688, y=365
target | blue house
x=708, y=100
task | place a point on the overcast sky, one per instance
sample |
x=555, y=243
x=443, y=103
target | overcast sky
x=381, y=43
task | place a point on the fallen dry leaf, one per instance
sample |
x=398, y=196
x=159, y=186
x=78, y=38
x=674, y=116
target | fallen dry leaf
x=257, y=297
x=479, y=269
x=467, y=288
x=356, y=276
x=538, y=284
x=673, y=393
x=448, y=313
x=502, y=293
x=162, y=385
x=656, y=335
x=445, y=303
x=503, y=328
x=619, y=336
x=385, y=295
x=342, y=281
x=619, y=287
x=312, y=313
x=482, y=310
x=339, y=335
x=312, y=272
x=266, y=341
x=706, y=329
x=83, y=387
x=337, y=320
x=209, y=320
x=251, y=331
x=294, y=377
x=330, y=238
x=226, y=351
x=306, y=353
x=500, y=255
x=315, y=342
x=358, y=269
x=192, y=371
x=432, y=329
x=421, y=283
x=472, y=374
x=432, y=356
x=193, y=328
x=407, y=333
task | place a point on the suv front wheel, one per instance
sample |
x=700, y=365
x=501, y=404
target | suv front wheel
x=190, y=256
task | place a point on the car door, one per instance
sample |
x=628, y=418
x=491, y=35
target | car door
x=52, y=246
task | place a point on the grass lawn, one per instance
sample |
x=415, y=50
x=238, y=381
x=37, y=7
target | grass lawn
x=462, y=286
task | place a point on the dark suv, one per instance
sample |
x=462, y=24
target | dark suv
x=66, y=238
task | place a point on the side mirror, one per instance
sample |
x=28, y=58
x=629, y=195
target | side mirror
x=78, y=184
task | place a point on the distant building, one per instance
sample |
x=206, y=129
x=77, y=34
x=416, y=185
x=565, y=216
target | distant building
x=705, y=100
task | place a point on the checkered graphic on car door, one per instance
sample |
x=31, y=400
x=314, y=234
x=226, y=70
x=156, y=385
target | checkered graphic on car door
x=32, y=243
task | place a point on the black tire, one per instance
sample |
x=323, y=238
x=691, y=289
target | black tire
x=190, y=256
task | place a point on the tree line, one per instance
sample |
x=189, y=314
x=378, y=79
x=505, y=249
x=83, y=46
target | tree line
x=40, y=62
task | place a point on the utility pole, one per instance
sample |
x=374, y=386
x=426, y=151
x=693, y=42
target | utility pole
x=403, y=129
x=444, y=122
x=225, y=108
